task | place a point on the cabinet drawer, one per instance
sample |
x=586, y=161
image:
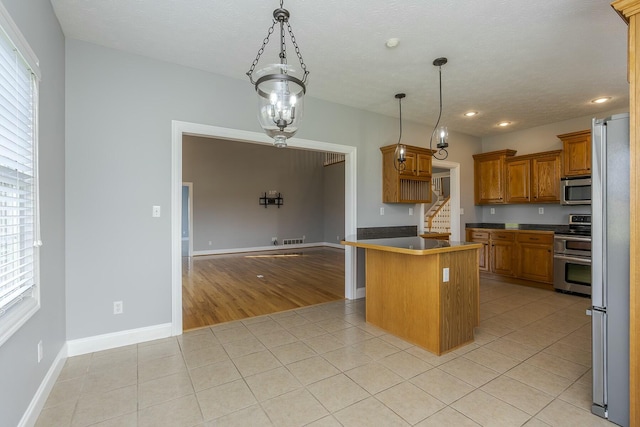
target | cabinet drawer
x=540, y=238
x=503, y=236
x=476, y=235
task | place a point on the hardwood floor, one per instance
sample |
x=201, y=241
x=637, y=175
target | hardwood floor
x=221, y=288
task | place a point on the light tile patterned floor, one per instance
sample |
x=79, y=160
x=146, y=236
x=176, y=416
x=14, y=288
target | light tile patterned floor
x=324, y=366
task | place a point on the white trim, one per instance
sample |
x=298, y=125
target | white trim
x=13, y=32
x=179, y=128
x=32, y=413
x=266, y=248
x=189, y=186
x=454, y=171
x=117, y=339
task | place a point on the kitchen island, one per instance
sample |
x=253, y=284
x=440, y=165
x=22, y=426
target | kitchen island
x=425, y=291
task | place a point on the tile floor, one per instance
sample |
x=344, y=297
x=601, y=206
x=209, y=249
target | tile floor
x=324, y=366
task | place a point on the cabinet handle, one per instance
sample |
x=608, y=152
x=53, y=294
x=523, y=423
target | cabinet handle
x=533, y=238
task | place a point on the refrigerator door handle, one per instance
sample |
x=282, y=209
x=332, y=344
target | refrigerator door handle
x=598, y=212
x=599, y=367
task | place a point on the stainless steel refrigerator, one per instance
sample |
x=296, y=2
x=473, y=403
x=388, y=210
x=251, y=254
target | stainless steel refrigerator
x=610, y=267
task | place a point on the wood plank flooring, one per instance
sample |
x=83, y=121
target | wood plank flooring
x=221, y=288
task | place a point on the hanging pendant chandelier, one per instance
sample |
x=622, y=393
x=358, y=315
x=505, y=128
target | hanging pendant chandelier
x=440, y=132
x=280, y=87
x=401, y=150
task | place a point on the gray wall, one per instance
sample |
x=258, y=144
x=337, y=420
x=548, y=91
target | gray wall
x=229, y=178
x=534, y=140
x=120, y=107
x=21, y=375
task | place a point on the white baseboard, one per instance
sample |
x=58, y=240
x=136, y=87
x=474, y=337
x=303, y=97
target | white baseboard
x=361, y=293
x=265, y=248
x=32, y=413
x=117, y=339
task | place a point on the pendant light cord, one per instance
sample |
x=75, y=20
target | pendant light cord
x=399, y=165
x=435, y=128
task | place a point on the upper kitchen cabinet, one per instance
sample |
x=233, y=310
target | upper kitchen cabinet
x=534, y=178
x=412, y=184
x=577, y=153
x=490, y=176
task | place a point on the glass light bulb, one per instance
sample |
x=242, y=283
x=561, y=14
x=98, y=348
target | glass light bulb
x=293, y=100
x=273, y=98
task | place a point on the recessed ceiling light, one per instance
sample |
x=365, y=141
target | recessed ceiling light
x=601, y=100
x=503, y=124
x=392, y=42
x=470, y=113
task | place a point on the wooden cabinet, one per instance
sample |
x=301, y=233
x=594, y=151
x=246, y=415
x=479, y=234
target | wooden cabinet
x=577, y=153
x=411, y=184
x=480, y=236
x=546, y=169
x=515, y=253
x=534, y=178
x=489, y=176
x=503, y=261
x=518, y=180
x=535, y=255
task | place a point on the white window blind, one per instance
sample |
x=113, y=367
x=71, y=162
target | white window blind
x=19, y=225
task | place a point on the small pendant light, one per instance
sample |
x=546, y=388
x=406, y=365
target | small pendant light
x=401, y=150
x=441, y=133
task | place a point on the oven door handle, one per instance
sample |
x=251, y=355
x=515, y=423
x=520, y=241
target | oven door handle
x=572, y=238
x=574, y=259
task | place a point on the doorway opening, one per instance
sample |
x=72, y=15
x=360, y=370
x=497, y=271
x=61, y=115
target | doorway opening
x=185, y=128
x=452, y=171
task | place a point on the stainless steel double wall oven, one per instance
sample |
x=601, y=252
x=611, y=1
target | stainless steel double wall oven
x=572, y=256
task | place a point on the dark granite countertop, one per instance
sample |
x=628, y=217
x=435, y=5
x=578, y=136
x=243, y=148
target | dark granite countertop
x=536, y=227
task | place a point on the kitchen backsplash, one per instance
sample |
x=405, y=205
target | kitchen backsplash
x=529, y=214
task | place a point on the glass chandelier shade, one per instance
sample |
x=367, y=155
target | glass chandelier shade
x=280, y=101
x=280, y=87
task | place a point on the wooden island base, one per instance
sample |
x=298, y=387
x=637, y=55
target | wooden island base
x=407, y=296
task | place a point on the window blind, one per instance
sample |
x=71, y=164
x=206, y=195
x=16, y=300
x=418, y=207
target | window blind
x=19, y=238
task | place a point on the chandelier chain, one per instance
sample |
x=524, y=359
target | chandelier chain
x=261, y=51
x=298, y=53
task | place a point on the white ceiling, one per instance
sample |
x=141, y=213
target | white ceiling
x=531, y=62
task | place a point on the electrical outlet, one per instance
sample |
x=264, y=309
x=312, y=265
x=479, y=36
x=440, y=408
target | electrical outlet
x=410, y=211
x=541, y=211
x=155, y=212
x=445, y=274
x=117, y=307
x=461, y=211
x=493, y=211
x=40, y=355
x=381, y=211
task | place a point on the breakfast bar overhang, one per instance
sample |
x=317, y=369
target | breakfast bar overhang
x=425, y=291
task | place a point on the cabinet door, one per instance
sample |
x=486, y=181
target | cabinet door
x=536, y=262
x=480, y=236
x=502, y=258
x=519, y=181
x=489, y=185
x=545, y=180
x=577, y=153
x=409, y=164
x=423, y=165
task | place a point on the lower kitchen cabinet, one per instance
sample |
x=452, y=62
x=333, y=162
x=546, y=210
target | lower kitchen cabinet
x=502, y=254
x=522, y=254
x=535, y=252
x=481, y=236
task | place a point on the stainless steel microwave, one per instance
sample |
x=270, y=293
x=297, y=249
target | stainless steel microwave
x=575, y=191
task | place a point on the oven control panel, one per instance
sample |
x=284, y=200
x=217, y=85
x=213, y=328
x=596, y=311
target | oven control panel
x=579, y=219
